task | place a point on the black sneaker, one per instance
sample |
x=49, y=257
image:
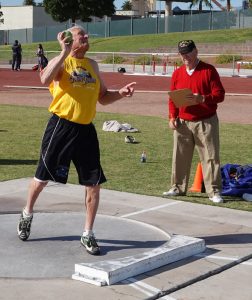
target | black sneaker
x=24, y=227
x=90, y=244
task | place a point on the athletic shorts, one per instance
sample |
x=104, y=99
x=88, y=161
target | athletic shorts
x=65, y=141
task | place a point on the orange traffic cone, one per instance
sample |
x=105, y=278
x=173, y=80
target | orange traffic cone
x=198, y=184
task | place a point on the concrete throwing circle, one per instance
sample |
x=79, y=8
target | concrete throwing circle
x=54, y=246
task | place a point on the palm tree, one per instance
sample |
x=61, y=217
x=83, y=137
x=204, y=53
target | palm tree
x=127, y=5
x=29, y=2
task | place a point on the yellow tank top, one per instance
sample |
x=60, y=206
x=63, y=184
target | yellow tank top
x=76, y=94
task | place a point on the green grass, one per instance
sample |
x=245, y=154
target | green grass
x=22, y=129
x=148, y=43
x=137, y=43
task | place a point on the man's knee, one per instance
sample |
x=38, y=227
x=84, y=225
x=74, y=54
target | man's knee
x=38, y=184
x=93, y=191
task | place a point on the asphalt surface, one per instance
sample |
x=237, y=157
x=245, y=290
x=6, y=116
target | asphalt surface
x=41, y=267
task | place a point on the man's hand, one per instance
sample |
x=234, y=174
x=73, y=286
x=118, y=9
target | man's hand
x=195, y=98
x=198, y=98
x=66, y=47
x=173, y=124
x=127, y=90
x=110, y=96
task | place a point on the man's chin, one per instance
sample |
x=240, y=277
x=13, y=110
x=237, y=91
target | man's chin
x=82, y=47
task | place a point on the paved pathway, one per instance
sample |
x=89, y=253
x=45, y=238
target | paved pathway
x=227, y=233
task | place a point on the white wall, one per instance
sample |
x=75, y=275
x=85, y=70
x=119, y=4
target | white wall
x=20, y=17
x=17, y=17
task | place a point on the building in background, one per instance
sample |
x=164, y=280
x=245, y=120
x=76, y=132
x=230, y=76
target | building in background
x=145, y=8
x=19, y=17
x=142, y=7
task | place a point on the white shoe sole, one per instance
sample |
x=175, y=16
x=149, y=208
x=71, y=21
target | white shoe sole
x=216, y=200
x=247, y=197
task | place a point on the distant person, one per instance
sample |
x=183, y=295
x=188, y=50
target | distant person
x=19, y=58
x=42, y=60
x=16, y=56
x=76, y=86
x=196, y=125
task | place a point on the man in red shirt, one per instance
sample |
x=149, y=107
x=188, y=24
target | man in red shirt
x=195, y=125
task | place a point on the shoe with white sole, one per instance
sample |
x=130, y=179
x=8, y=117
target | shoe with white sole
x=216, y=199
x=129, y=139
x=173, y=192
x=247, y=197
x=89, y=242
x=24, y=226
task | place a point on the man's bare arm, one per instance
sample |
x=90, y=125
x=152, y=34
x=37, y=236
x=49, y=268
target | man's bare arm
x=54, y=68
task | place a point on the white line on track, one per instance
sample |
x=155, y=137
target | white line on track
x=26, y=87
x=223, y=258
x=136, y=91
x=150, y=209
x=145, y=288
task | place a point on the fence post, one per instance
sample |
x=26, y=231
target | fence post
x=46, y=33
x=166, y=24
x=233, y=64
x=183, y=23
x=131, y=26
x=211, y=20
x=105, y=26
x=164, y=65
x=153, y=64
x=191, y=19
x=113, y=61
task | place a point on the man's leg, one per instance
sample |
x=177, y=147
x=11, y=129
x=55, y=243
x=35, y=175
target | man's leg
x=91, y=202
x=208, y=149
x=18, y=62
x=92, y=196
x=183, y=147
x=24, y=225
x=35, y=189
x=13, y=61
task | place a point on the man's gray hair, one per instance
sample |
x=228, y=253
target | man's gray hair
x=76, y=27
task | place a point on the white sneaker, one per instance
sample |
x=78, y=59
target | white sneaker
x=247, y=197
x=172, y=192
x=216, y=199
x=129, y=139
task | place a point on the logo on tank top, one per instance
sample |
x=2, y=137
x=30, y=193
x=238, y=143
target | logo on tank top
x=81, y=76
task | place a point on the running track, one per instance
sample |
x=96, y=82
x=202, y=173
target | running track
x=235, y=85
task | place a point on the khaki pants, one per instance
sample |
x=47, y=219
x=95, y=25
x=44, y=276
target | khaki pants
x=204, y=135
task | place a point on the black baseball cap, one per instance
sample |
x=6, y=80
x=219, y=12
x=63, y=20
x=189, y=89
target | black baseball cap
x=186, y=46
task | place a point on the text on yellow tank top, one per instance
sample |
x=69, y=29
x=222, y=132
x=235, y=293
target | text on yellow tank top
x=76, y=94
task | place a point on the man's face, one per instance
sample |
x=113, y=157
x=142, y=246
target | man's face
x=189, y=59
x=80, y=39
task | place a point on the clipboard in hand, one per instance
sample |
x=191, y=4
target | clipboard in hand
x=179, y=97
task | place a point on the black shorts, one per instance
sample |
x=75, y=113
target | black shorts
x=65, y=141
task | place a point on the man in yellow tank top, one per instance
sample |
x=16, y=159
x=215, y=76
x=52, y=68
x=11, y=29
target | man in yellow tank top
x=76, y=86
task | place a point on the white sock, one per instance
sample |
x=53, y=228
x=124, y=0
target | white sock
x=87, y=232
x=26, y=214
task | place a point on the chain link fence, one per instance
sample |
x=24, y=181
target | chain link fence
x=162, y=64
x=211, y=20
